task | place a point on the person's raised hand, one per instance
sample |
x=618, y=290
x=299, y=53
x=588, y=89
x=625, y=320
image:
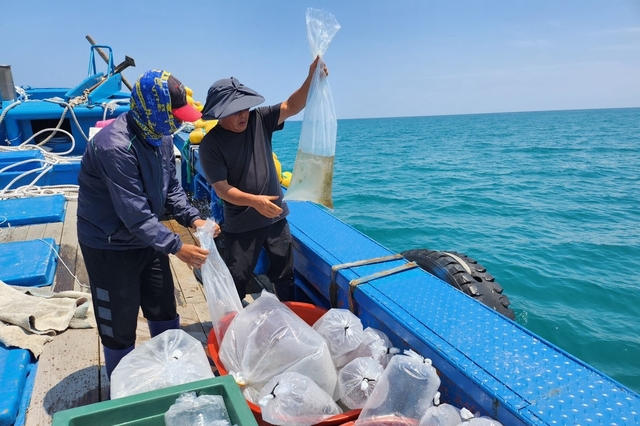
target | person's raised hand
x=314, y=64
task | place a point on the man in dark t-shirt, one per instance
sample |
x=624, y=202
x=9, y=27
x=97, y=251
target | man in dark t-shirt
x=237, y=159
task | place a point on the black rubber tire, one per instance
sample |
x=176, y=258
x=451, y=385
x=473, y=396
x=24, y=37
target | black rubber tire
x=464, y=274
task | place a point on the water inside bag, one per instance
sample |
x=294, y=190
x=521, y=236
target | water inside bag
x=312, y=179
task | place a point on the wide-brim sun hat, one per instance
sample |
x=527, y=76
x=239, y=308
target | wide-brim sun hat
x=227, y=97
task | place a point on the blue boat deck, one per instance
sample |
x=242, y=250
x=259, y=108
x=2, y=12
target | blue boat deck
x=486, y=362
x=68, y=372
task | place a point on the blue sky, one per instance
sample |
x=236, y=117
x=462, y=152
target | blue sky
x=390, y=58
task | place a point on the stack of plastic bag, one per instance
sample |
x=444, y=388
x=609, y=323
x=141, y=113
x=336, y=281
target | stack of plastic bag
x=312, y=177
x=219, y=289
x=404, y=393
x=294, y=399
x=266, y=339
x=192, y=410
x=171, y=358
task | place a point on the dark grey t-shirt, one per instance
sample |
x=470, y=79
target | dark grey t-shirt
x=245, y=161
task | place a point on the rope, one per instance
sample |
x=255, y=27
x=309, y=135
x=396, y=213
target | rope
x=70, y=192
x=50, y=158
x=3, y=219
x=111, y=106
x=64, y=264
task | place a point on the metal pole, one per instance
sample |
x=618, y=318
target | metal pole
x=106, y=59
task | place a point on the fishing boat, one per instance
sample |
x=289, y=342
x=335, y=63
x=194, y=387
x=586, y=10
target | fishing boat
x=487, y=362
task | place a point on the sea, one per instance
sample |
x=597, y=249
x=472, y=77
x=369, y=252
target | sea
x=548, y=202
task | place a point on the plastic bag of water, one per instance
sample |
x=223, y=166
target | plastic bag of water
x=375, y=344
x=220, y=290
x=171, y=358
x=312, y=176
x=341, y=329
x=357, y=380
x=192, y=410
x=294, y=399
x=441, y=415
x=266, y=339
x=406, y=389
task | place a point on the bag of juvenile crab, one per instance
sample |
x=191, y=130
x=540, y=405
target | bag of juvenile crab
x=266, y=339
x=312, y=177
x=357, y=380
x=171, y=358
x=405, y=390
x=341, y=329
x=220, y=291
x=294, y=399
x=375, y=344
x=441, y=415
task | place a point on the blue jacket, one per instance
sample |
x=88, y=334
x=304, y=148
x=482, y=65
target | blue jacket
x=125, y=185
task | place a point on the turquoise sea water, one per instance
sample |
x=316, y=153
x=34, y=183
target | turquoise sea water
x=548, y=202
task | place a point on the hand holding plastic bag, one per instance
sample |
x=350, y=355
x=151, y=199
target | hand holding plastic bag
x=312, y=177
x=219, y=289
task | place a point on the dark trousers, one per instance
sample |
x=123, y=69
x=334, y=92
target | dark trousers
x=243, y=249
x=122, y=282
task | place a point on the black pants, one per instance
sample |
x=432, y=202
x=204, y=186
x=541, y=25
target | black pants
x=243, y=249
x=122, y=282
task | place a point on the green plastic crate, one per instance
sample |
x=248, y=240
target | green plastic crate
x=147, y=409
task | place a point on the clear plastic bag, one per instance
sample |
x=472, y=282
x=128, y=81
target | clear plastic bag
x=266, y=339
x=357, y=380
x=294, y=399
x=441, y=415
x=312, y=177
x=341, y=329
x=170, y=358
x=219, y=289
x=375, y=344
x=405, y=390
x=480, y=421
x=193, y=410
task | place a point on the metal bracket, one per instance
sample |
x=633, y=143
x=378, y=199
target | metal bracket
x=333, y=287
x=355, y=283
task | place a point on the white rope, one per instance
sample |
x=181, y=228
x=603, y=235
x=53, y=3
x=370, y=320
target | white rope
x=22, y=94
x=70, y=192
x=3, y=220
x=64, y=264
x=111, y=106
x=50, y=158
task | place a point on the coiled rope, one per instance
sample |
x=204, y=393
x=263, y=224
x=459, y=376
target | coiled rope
x=50, y=158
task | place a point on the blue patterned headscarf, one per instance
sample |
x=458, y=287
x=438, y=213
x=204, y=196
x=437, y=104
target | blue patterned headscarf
x=151, y=106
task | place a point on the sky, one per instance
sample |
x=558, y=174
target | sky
x=389, y=58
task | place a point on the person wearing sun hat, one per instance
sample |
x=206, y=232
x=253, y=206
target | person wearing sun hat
x=127, y=181
x=237, y=159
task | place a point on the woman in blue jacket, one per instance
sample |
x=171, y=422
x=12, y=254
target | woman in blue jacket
x=127, y=181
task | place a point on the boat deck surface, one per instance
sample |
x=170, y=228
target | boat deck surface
x=69, y=372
